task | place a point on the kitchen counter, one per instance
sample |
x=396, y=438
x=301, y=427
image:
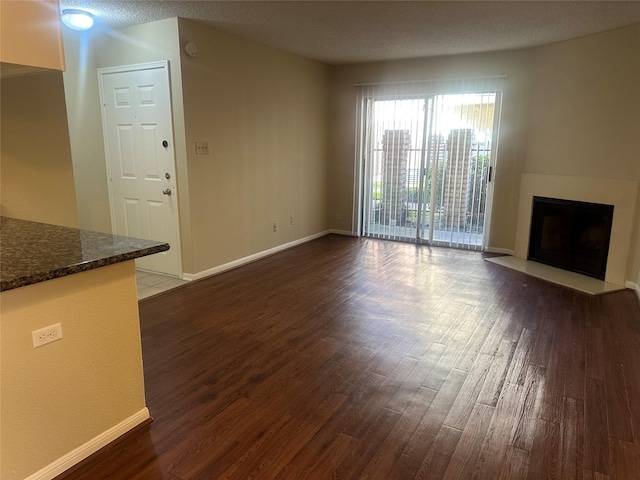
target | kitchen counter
x=64, y=400
x=32, y=252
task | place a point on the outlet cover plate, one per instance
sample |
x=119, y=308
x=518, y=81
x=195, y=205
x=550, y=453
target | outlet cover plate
x=46, y=335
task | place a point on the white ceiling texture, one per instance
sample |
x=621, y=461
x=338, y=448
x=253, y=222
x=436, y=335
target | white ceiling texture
x=340, y=32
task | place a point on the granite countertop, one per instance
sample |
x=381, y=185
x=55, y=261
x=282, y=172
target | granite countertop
x=32, y=252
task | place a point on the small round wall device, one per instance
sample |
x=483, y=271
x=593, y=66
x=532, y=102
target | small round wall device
x=191, y=49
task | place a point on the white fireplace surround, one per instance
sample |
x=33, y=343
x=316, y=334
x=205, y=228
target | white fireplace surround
x=619, y=193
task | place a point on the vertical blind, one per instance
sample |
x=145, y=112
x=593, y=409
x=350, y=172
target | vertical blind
x=425, y=151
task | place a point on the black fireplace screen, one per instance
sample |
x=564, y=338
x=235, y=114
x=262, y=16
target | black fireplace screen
x=571, y=235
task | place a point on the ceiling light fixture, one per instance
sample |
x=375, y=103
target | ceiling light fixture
x=77, y=19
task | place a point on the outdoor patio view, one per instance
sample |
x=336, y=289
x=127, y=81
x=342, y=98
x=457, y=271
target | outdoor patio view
x=427, y=163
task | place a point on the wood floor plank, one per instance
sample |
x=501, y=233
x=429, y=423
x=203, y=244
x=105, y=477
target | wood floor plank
x=631, y=363
x=553, y=392
x=391, y=449
x=329, y=462
x=424, y=435
x=465, y=456
x=496, y=443
x=352, y=465
x=572, y=439
x=524, y=432
x=625, y=459
x=545, y=453
x=618, y=414
x=521, y=357
x=591, y=475
x=474, y=345
x=442, y=369
x=497, y=373
x=413, y=381
x=435, y=464
x=594, y=353
x=515, y=464
x=575, y=346
x=466, y=399
x=597, y=456
x=348, y=358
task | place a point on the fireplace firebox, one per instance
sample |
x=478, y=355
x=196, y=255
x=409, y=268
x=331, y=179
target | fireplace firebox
x=571, y=235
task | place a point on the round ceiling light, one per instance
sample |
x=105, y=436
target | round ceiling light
x=77, y=19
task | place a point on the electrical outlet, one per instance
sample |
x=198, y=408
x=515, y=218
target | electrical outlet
x=202, y=148
x=275, y=226
x=338, y=217
x=46, y=335
x=292, y=220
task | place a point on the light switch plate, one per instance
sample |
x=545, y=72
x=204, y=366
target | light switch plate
x=202, y=148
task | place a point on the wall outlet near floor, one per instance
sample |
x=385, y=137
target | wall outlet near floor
x=46, y=335
x=292, y=220
x=275, y=226
x=338, y=217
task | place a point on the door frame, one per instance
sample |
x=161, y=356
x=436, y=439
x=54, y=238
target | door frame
x=162, y=64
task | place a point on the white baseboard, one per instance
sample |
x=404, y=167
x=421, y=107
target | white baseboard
x=342, y=232
x=506, y=251
x=633, y=286
x=76, y=455
x=251, y=258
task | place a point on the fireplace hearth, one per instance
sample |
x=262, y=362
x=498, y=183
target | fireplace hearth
x=571, y=235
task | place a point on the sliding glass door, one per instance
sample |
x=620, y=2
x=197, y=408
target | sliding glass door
x=427, y=159
x=394, y=170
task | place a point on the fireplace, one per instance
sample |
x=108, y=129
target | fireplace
x=571, y=235
x=622, y=194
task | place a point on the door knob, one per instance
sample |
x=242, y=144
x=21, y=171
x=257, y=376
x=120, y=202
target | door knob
x=167, y=191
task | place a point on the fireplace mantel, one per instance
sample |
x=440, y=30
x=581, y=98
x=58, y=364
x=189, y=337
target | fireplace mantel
x=619, y=193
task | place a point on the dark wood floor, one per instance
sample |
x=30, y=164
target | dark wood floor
x=351, y=359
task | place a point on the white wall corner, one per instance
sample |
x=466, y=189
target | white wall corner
x=76, y=455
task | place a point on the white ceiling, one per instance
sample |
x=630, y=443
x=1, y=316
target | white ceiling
x=339, y=32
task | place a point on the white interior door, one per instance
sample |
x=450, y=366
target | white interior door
x=138, y=132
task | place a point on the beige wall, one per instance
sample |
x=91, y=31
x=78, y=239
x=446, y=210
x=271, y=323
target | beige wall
x=586, y=100
x=85, y=131
x=36, y=170
x=514, y=64
x=57, y=397
x=30, y=33
x=263, y=113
